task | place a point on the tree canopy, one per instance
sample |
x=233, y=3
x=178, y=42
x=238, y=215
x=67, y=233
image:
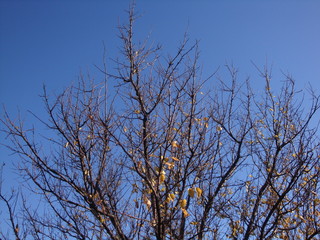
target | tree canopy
x=168, y=155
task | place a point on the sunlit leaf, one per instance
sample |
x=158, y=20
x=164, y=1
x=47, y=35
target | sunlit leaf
x=183, y=203
x=170, y=165
x=175, y=159
x=146, y=201
x=185, y=212
x=175, y=144
x=199, y=191
x=162, y=178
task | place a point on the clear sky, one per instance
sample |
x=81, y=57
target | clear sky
x=49, y=42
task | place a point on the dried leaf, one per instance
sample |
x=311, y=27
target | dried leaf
x=185, y=212
x=175, y=144
x=191, y=192
x=175, y=159
x=183, y=203
x=199, y=192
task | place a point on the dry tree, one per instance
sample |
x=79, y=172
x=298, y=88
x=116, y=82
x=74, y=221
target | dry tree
x=164, y=157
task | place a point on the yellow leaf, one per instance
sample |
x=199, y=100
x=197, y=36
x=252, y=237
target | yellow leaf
x=170, y=165
x=175, y=159
x=183, y=203
x=198, y=120
x=103, y=220
x=191, y=192
x=199, y=191
x=175, y=144
x=147, y=202
x=153, y=182
x=172, y=196
x=219, y=128
x=185, y=212
x=164, y=158
x=162, y=178
x=137, y=111
x=264, y=201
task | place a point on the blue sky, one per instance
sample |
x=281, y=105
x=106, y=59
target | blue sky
x=50, y=42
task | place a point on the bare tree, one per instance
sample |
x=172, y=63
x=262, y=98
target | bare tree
x=166, y=158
